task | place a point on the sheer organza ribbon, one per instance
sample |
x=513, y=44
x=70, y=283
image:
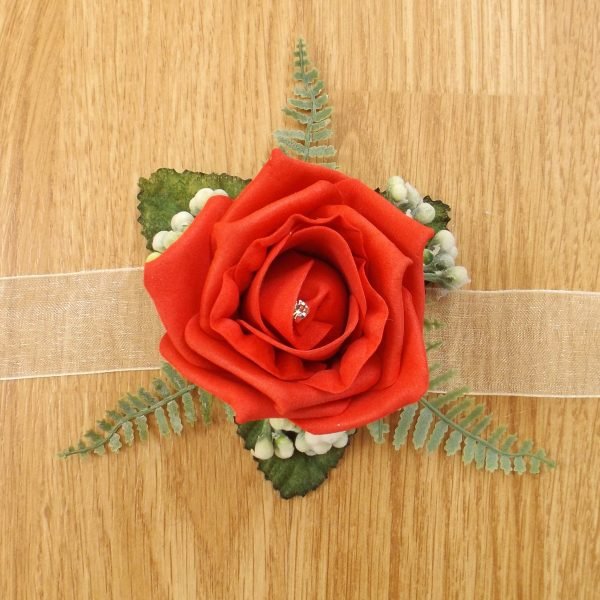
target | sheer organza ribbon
x=539, y=343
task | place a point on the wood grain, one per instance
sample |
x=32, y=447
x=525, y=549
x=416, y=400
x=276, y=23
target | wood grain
x=492, y=106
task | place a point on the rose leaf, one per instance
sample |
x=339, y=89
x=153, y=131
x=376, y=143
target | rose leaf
x=442, y=214
x=294, y=476
x=168, y=192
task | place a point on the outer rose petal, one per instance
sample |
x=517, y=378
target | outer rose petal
x=185, y=282
x=175, y=280
x=367, y=407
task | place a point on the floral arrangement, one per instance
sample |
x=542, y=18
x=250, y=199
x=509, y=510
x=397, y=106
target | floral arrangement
x=298, y=300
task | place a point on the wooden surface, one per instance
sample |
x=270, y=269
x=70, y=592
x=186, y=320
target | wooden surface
x=492, y=106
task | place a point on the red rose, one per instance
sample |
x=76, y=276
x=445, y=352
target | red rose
x=228, y=289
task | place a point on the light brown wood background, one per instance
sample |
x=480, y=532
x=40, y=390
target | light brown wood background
x=492, y=106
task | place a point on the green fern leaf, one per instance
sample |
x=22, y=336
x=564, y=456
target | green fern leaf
x=292, y=134
x=161, y=388
x=133, y=410
x=206, y=403
x=229, y=413
x=189, y=410
x=161, y=420
x=422, y=426
x=309, y=109
x=126, y=407
x=407, y=417
x=452, y=413
x=453, y=443
x=321, y=125
x=443, y=378
x=114, y=443
x=506, y=464
x=297, y=115
x=465, y=423
x=294, y=147
x=177, y=381
x=378, y=430
x=105, y=425
x=141, y=424
x=321, y=151
x=127, y=429
x=323, y=134
x=480, y=451
x=174, y=418
x=439, y=431
x=138, y=402
x=491, y=460
x=519, y=462
x=301, y=104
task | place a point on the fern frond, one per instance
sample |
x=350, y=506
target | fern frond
x=378, y=430
x=455, y=419
x=131, y=415
x=309, y=109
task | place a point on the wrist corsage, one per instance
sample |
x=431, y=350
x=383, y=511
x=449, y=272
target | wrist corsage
x=298, y=300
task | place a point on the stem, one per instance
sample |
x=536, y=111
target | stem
x=308, y=132
x=465, y=432
x=142, y=412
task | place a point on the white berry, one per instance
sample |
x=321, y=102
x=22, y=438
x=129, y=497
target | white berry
x=399, y=192
x=198, y=202
x=284, y=448
x=424, y=213
x=263, y=449
x=445, y=240
x=158, y=241
x=456, y=277
x=171, y=238
x=413, y=196
x=181, y=221
x=342, y=441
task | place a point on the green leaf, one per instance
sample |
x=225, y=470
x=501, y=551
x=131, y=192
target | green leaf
x=480, y=450
x=295, y=476
x=177, y=381
x=439, y=431
x=321, y=151
x=407, y=416
x=442, y=214
x=206, y=403
x=133, y=410
x=229, y=413
x=422, y=426
x=127, y=429
x=189, y=409
x=378, y=430
x=141, y=424
x=114, y=443
x=168, y=192
x=174, y=418
x=161, y=420
x=452, y=445
x=308, y=108
x=161, y=388
x=453, y=413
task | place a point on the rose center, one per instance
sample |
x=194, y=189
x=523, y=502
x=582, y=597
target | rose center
x=312, y=292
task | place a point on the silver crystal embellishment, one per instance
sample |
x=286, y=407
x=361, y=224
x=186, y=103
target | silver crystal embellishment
x=301, y=310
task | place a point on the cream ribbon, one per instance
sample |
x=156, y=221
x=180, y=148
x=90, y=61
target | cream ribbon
x=539, y=343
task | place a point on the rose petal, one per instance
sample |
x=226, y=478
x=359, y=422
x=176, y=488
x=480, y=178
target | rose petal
x=175, y=280
x=412, y=383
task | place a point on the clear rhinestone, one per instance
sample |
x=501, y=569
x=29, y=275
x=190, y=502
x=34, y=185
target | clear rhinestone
x=301, y=310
